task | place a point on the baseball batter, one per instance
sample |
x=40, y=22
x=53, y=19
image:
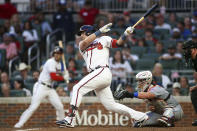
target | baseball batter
x=95, y=51
x=52, y=71
x=164, y=109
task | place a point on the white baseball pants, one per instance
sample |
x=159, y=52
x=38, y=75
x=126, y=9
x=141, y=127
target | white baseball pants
x=99, y=81
x=39, y=93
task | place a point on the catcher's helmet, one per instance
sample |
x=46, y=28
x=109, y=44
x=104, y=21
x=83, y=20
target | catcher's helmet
x=144, y=79
x=57, y=49
x=86, y=28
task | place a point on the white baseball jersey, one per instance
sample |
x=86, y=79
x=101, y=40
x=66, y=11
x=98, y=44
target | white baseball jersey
x=97, y=53
x=50, y=66
x=41, y=91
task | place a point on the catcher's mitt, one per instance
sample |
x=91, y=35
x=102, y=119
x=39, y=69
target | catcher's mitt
x=120, y=93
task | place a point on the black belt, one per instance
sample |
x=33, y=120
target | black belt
x=46, y=85
x=99, y=67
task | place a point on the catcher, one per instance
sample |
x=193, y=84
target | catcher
x=164, y=109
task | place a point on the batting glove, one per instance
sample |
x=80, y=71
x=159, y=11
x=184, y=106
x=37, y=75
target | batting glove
x=105, y=28
x=129, y=31
x=66, y=75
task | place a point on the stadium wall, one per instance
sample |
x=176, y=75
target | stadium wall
x=91, y=112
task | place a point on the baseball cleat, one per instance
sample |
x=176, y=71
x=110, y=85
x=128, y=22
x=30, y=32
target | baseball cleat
x=164, y=122
x=67, y=122
x=17, y=125
x=140, y=123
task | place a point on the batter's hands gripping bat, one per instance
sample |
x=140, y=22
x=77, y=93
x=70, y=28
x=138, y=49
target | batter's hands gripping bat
x=145, y=15
x=63, y=58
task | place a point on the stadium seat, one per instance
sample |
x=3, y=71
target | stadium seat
x=139, y=32
x=150, y=43
x=145, y=64
x=170, y=64
x=153, y=56
x=17, y=93
x=2, y=58
x=29, y=86
x=138, y=50
x=163, y=33
x=168, y=42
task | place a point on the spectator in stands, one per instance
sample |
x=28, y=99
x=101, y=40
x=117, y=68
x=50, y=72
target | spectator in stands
x=120, y=23
x=84, y=70
x=15, y=24
x=45, y=25
x=5, y=78
x=149, y=26
x=5, y=90
x=7, y=10
x=72, y=81
x=171, y=55
x=9, y=46
x=2, y=31
x=159, y=77
x=193, y=91
x=161, y=24
x=159, y=48
x=176, y=35
x=120, y=69
x=36, y=75
x=179, y=47
x=17, y=43
x=88, y=13
x=141, y=42
x=194, y=81
x=23, y=69
x=128, y=19
x=176, y=89
x=127, y=55
x=30, y=35
x=70, y=52
x=172, y=20
x=184, y=86
x=19, y=85
x=72, y=66
x=188, y=28
x=60, y=91
x=7, y=25
x=149, y=36
x=194, y=18
x=63, y=19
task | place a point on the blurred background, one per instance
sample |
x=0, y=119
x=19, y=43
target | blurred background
x=29, y=29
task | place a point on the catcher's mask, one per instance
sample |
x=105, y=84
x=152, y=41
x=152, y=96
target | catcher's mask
x=88, y=29
x=187, y=46
x=144, y=80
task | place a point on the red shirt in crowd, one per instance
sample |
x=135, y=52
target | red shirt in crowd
x=7, y=10
x=88, y=15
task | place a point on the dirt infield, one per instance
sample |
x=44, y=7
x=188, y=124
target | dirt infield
x=103, y=129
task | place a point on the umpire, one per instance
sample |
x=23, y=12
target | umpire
x=190, y=54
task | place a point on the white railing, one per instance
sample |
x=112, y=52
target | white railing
x=107, y=5
x=51, y=39
x=34, y=49
x=11, y=64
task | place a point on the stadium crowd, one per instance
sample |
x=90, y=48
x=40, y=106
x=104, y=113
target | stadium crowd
x=155, y=45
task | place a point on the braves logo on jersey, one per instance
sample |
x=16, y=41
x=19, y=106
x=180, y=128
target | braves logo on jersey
x=97, y=45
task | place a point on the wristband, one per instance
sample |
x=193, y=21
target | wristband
x=97, y=33
x=135, y=94
x=123, y=37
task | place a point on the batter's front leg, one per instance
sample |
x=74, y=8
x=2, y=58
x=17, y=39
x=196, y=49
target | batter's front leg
x=106, y=98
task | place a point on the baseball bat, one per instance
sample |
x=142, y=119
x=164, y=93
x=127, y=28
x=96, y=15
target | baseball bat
x=145, y=15
x=63, y=58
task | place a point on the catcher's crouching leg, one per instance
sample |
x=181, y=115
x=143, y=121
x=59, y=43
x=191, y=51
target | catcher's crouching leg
x=168, y=118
